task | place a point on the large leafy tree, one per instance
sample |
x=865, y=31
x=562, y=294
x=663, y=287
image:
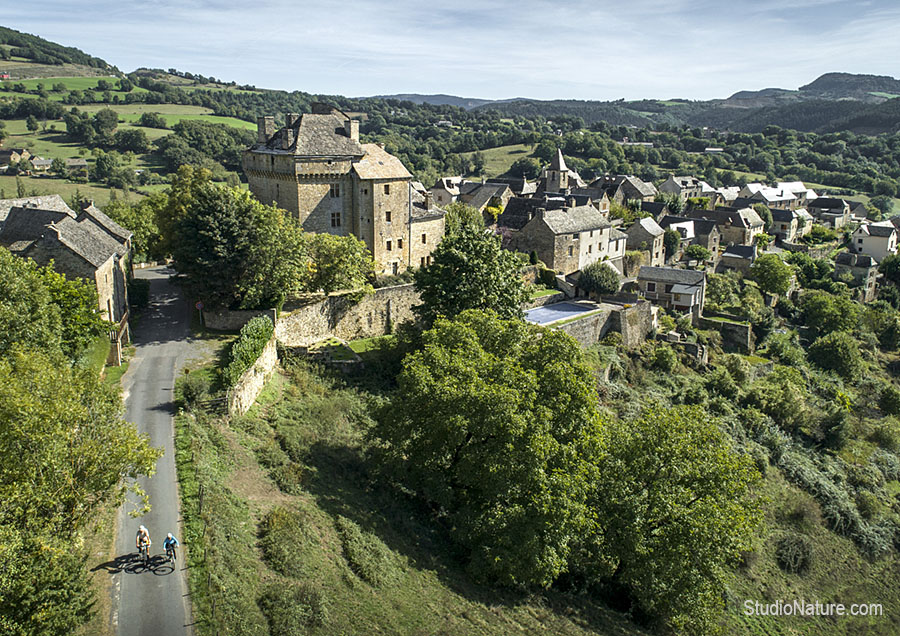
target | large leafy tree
x=837, y=351
x=772, y=274
x=65, y=453
x=235, y=251
x=79, y=309
x=337, y=262
x=824, y=312
x=470, y=271
x=675, y=505
x=141, y=219
x=27, y=314
x=495, y=422
x=599, y=278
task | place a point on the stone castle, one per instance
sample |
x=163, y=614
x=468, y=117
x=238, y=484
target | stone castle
x=316, y=168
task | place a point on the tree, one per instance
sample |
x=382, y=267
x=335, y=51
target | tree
x=673, y=535
x=152, y=120
x=765, y=214
x=337, y=262
x=28, y=316
x=478, y=163
x=237, y=252
x=890, y=267
x=772, y=274
x=460, y=215
x=885, y=188
x=526, y=167
x=31, y=123
x=837, y=351
x=824, y=312
x=132, y=139
x=495, y=422
x=671, y=241
x=76, y=299
x=697, y=252
x=141, y=219
x=722, y=290
x=58, y=167
x=762, y=241
x=883, y=203
x=469, y=270
x=599, y=278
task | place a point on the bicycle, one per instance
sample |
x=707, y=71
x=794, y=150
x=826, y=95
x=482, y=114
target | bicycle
x=170, y=553
x=145, y=553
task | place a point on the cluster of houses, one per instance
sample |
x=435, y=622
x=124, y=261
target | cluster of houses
x=566, y=222
x=38, y=164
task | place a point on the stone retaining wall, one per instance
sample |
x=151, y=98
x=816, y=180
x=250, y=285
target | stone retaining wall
x=737, y=335
x=248, y=387
x=233, y=320
x=346, y=317
x=544, y=300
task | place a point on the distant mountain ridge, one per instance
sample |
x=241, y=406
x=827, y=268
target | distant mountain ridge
x=437, y=100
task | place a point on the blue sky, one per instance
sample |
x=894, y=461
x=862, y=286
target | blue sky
x=698, y=49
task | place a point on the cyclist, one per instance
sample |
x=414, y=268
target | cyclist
x=170, y=544
x=142, y=541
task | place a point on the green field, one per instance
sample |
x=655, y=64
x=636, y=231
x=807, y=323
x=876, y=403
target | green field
x=172, y=113
x=498, y=160
x=35, y=186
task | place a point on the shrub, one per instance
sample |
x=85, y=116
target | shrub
x=886, y=434
x=194, y=389
x=599, y=278
x=738, y=367
x=282, y=539
x=247, y=348
x=366, y=555
x=889, y=400
x=291, y=608
x=533, y=257
x=869, y=505
x=794, y=553
x=289, y=477
x=664, y=359
x=139, y=293
x=837, y=351
x=547, y=277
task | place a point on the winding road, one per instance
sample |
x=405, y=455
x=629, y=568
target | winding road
x=153, y=601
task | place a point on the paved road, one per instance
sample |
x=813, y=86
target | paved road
x=153, y=601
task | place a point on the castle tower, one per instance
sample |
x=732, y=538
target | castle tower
x=557, y=174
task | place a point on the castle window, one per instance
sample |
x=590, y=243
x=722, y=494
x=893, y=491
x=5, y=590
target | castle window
x=387, y=216
x=365, y=191
x=387, y=188
x=424, y=239
x=428, y=260
x=399, y=244
x=388, y=247
x=590, y=249
x=335, y=190
x=570, y=250
x=422, y=262
x=335, y=219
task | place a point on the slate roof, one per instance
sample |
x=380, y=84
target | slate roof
x=704, y=227
x=648, y=225
x=672, y=275
x=378, y=163
x=783, y=216
x=826, y=203
x=578, y=219
x=654, y=208
x=482, y=194
x=25, y=223
x=558, y=162
x=420, y=212
x=855, y=260
x=679, y=223
x=882, y=229
x=316, y=135
x=616, y=234
x=104, y=222
x=46, y=202
x=87, y=240
x=518, y=212
x=519, y=185
x=740, y=251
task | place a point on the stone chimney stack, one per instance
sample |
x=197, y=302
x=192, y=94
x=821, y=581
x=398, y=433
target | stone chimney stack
x=265, y=128
x=571, y=202
x=429, y=200
x=287, y=138
x=351, y=126
x=290, y=119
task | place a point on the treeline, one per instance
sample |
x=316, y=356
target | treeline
x=65, y=451
x=45, y=52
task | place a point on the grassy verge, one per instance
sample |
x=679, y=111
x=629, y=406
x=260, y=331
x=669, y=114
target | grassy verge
x=94, y=357
x=297, y=535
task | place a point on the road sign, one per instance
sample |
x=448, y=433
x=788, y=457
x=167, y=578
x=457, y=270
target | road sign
x=199, y=305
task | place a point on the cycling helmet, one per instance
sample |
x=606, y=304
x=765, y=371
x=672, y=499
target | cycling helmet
x=169, y=536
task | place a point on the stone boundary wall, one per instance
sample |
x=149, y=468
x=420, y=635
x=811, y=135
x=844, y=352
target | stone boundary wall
x=544, y=300
x=734, y=334
x=248, y=387
x=635, y=323
x=341, y=315
x=234, y=319
x=589, y=330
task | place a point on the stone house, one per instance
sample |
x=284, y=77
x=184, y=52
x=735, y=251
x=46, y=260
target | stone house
x=878, y=240
x=9, y=155
x=694, y=232
x=736, y=225
x=655, y=209
x=87, y=245
x=835, y=213
x=646, y=235
x=520, y=186
x=569, y=239
x=479, y=195
x=558, y=177
x=801, y=193
x=805, y=222
x=863, y=269
x=773, y=198
x=624, y=188
x=785, y=224
x=682, y=290
x=684, y=187
x=738, y=258
x=316, y=169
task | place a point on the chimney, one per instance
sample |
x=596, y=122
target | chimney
x=428, y=200
x=287, y=138
x=571, y=202
x=351, y=127
x=290, y=119
x=265, y=128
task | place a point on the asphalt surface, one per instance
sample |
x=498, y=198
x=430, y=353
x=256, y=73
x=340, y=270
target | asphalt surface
x=152, y=600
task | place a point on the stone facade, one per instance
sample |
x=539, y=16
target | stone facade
x=634, y=322
x=234, y=319
x=251, y=383
x=317, y=170
x=738, y=335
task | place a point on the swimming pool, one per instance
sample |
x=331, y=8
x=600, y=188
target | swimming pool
x=557, y=311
